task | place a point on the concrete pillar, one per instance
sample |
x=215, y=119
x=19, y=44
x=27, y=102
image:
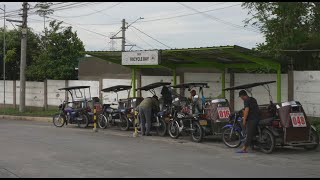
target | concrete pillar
x=232, y=91
x=45, y=93
x=66, y=84
x=181, y=82
x=139, y=82
x=14, y=94
x=100, y=88
x=290, y=85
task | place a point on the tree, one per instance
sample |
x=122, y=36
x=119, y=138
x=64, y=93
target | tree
x=43, y=9
x=13, y=51
x=288, y=26
x=60, y=59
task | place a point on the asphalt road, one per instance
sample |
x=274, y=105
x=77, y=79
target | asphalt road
x=36, y=149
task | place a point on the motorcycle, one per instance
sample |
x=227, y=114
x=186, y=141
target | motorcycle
x=233, y=135
x=184, y=123
x=72, y=116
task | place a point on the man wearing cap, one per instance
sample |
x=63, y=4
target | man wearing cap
x=147, y=108
x=250, y=118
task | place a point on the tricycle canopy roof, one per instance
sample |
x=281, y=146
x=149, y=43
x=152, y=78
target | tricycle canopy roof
x=191, y=85
x=117, y=88
x=251, y=85
x=154, y=85
x=74, y=87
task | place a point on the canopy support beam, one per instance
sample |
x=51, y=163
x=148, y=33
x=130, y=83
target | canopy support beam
x=134, y=82
x=223, y=83
x=279, y=84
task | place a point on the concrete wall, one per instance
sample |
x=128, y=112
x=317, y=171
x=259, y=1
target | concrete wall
x=52, y=89
x=145, y=80
x=213, y=80
x=307, y=91
x=9, y=92
x=259, y=92
x=306, y=88
x=111, y=97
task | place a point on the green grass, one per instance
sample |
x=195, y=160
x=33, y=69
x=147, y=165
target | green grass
x=316, y=122
x=29, y=112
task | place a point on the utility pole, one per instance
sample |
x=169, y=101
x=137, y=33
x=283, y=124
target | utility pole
x=123, y=44
x=23, y=58
x=123, y=30
x=4, y=55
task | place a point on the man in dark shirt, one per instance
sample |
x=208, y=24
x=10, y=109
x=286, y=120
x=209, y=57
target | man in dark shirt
x=250, y=118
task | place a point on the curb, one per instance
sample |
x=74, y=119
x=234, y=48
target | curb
x=26, y=118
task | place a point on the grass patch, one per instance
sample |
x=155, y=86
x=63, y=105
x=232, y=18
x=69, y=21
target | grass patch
x=316, y=122
x=29, y=112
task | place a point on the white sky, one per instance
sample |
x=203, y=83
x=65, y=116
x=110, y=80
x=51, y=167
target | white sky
x=180, y=32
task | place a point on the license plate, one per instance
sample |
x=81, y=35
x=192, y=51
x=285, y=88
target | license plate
x=223, y=112
x=298, y=120
x=203, y=122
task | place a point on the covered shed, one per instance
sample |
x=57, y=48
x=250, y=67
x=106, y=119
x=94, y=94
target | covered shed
x=222, y=58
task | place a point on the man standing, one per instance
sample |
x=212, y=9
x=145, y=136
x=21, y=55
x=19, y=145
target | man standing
x=250, y=118
x=196, y=102
x=147, y=108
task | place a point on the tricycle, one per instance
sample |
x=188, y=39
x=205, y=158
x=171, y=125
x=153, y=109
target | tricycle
x=79, y=112
x=159, y=120
x=188, y=116
x=280, y=124
x=121, y=116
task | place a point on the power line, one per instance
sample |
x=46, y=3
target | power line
x=217, y=19
x=92, y=12
x=135, y=44
x=173, y=17
x=79, y=27
x=142, y=39
x=151, y=37
x=185, y=11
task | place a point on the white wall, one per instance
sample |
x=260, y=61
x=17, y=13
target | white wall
x=9, y=92
x=306, y=88
x=94, y=87
x=52, y=90
x=307, y=91
x=34, y=93
x=111, y=97
x=145, y=80
x=213, y=80
x=259, y=92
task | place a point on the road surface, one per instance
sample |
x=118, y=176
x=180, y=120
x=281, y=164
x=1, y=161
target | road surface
x=38, y=149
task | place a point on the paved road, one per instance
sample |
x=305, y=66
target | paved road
x=36, y=149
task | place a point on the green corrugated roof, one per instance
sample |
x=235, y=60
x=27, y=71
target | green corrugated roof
x=220, y=57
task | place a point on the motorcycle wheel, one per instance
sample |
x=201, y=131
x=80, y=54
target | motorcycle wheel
x=102, y=121
x=59, y=120
x=267, y=142
x=197, y=133
x=84, y=122
x=235, y=137
x=162, y=129
x=124, y=124
x=173, y=129
x=314, y=137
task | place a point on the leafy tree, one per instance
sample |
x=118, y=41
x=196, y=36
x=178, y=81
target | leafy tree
x=13, y=51
x=43, y=9
x=288, y=26
x=60, y=59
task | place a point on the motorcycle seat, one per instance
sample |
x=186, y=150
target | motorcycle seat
x=266, y=122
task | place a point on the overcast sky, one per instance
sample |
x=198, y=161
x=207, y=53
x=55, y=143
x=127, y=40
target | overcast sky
x=168, y=22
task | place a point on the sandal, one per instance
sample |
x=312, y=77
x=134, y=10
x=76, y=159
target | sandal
x=241, y=151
